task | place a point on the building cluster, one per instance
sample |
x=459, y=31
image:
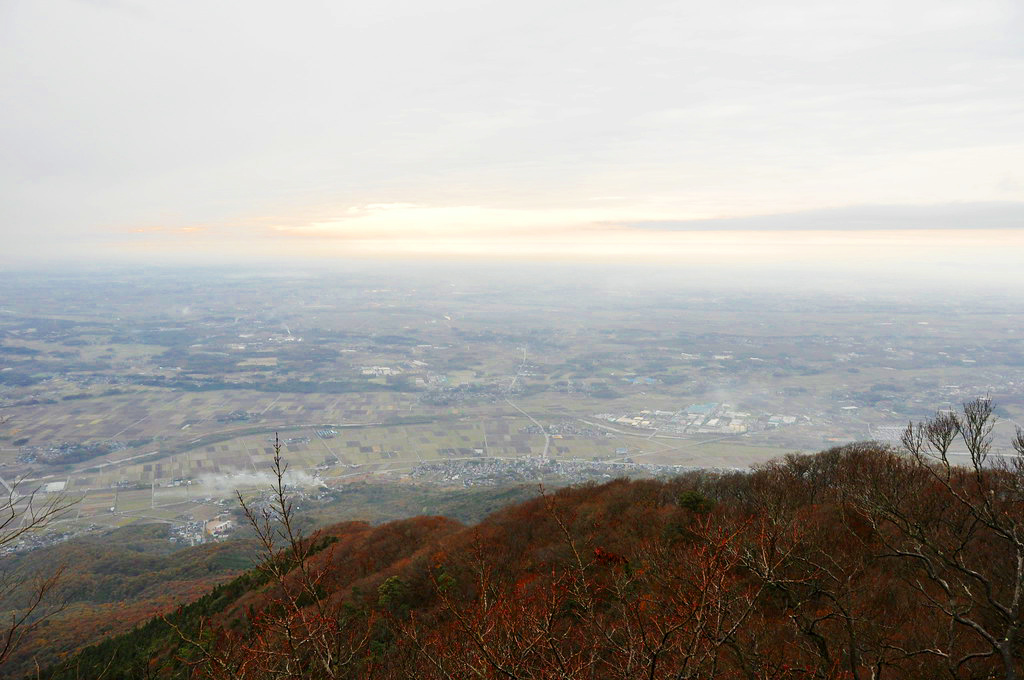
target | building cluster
x=500, y=471
x=33, y=540
x=69, y=452
x=568, y=428
x=197, y=532
x=709, y=418
x=192, y=532
x=445, y=395
x=398, y=368
x=378, y=371
x=238, y=417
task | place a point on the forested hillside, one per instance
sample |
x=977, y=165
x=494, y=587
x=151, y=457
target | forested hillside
x=111, y=581
x=857, y=562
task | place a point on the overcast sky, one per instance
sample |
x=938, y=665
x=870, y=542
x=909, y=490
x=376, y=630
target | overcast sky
x=234, y=129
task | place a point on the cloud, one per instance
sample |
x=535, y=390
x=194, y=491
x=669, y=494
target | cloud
x=879, y=233
x=991, y=215
x=466, y=117
x=411, y=220
x=227, y=484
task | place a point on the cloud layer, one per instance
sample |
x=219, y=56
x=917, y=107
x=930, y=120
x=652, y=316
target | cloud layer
x=132, y=126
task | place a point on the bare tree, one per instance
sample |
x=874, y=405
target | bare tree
x=298, y=633
x=22, y=514
x=959, y=531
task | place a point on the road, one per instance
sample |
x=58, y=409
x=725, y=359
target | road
x=205, y=440
x=547, y=437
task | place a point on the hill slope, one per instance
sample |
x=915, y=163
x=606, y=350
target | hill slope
x=115, y=580
x=852, y=563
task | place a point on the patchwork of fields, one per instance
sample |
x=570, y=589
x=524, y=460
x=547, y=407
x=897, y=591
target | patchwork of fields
x=157, y=396
x=185, y=458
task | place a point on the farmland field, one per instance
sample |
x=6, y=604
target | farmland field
x=160, y=412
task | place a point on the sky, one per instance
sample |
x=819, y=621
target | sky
x=734, y=132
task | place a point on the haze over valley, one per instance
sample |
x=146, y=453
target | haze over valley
x=154, y=396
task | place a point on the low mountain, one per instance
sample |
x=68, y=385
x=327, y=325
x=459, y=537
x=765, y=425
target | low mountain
x=853, y=563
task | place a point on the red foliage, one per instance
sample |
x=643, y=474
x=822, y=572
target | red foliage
x=602, y=556
x=789, y=572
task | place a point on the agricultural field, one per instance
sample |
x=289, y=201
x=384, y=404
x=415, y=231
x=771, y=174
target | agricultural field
x=191, y=463
x=163, y=400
